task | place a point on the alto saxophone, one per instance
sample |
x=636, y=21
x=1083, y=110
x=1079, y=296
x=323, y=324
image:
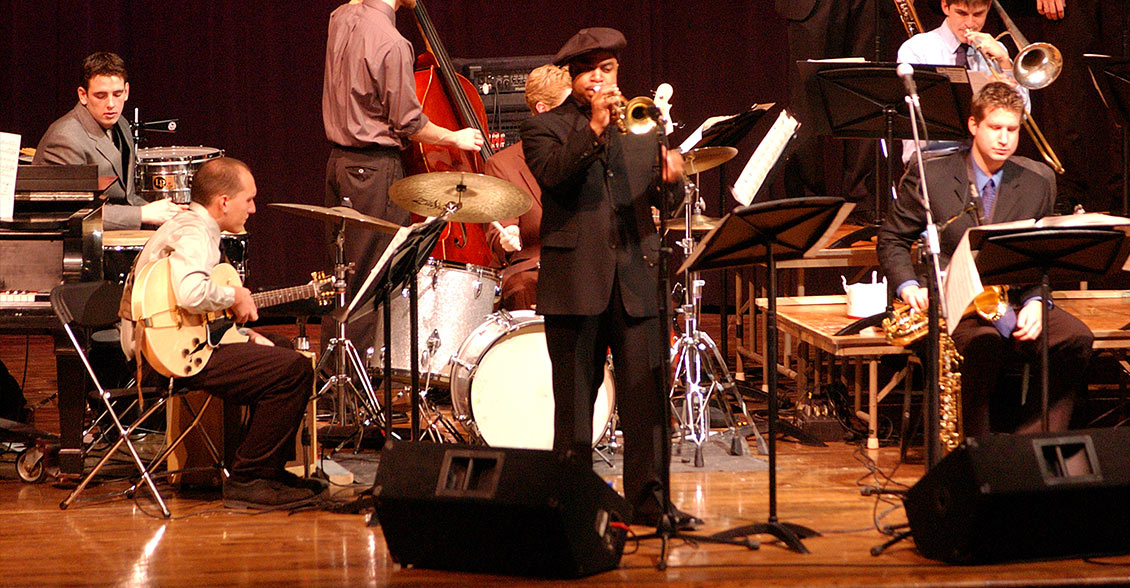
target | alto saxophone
x=906, y=327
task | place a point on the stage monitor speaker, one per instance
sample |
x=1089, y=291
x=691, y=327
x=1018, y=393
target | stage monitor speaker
x=492, y=510
x=1025, y=497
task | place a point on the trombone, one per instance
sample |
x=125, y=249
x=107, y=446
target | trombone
x=1036, y=66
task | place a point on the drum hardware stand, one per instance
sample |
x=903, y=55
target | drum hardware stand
x=342, y=355
x=666, y=527
x=693, y=354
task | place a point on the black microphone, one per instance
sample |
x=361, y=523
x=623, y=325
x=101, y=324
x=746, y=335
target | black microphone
x=906, y=72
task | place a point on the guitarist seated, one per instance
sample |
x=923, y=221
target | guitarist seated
x=275, y=382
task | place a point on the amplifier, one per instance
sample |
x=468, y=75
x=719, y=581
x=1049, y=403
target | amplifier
x=501, y=83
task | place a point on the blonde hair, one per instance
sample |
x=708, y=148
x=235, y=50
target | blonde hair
x=547, y=84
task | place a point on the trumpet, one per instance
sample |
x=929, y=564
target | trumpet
x=638, y=116
x=1036, y=66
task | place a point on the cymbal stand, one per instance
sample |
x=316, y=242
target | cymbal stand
x=699, y=367
x=341, y=354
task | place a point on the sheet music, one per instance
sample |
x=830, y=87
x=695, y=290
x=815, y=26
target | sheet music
x=397, y=239
x=764, y=158
x=696, y=136
x=961, y=284
x=962, y=281
x=9, y=159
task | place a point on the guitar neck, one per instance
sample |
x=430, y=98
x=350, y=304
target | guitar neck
x=283, y=295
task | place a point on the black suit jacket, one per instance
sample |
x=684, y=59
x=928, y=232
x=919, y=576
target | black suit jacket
x=586, y=243
x=795, y=9
x=1027, y=192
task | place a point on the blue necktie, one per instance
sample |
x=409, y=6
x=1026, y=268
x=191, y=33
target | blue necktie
x=988, y=196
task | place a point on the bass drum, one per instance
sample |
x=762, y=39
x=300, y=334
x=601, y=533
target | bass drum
x=502, y=387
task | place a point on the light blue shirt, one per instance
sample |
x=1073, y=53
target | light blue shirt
x=981, y=178
x=939, y=47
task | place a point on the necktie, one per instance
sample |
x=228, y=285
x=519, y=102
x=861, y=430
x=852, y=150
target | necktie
x=961, y=56
x=988, y=195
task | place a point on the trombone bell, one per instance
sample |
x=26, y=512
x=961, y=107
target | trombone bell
x=1037, y=65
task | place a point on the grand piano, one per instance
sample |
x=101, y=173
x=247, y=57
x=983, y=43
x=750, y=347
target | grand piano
x=55, y=236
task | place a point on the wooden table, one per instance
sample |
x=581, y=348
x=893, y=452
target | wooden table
x=814, y=320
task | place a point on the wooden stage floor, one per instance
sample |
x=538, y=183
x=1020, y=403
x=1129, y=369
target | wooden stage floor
x=120, y=543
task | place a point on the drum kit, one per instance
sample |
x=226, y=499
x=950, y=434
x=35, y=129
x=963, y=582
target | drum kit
x=495, y=364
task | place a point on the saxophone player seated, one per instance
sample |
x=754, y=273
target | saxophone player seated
x=1007, y=188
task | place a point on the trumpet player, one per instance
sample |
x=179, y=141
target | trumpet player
x=958, y=41
x=1008, y=188
x=599, y=281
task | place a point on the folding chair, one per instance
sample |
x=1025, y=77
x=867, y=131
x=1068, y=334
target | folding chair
x=85, y=307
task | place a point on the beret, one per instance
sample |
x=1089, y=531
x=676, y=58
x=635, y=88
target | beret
x=588, y=40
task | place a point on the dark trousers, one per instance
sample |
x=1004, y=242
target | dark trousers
x=988, y=356
x=360, y=178
x=577, y=350
x=276, y=383
x=836, y=28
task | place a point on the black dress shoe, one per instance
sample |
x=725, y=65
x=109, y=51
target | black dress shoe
x=682, y=521
x=315, y=485
x=263, y=494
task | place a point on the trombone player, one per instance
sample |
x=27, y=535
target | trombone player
x=959, y=41
x=988, y=184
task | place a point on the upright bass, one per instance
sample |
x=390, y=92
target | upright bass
x=449, y=100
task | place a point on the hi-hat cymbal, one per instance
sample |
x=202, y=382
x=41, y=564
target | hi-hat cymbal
x=704, y=158
x=700, y=223
x=477, y=198
x=338, y=214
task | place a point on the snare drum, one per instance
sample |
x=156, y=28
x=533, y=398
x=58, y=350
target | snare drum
x=502, y=384
x=166, y=172
x=453, y=299
x=120, y=248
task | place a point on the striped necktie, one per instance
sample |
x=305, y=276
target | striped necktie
x=988, y=196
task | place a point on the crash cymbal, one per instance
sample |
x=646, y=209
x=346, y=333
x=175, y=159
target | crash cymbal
x=477, y=198
x=700, y=223
x=704, y=158
x=338, y=214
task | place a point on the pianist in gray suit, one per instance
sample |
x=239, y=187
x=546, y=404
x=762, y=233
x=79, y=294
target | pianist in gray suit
x=94, y=132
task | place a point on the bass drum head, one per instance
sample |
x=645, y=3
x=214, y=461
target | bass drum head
x=511, y=391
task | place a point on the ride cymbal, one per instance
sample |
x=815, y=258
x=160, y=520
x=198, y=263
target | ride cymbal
x=475, y=198
x=338, y=214
x=704, y=158
x=700, y=223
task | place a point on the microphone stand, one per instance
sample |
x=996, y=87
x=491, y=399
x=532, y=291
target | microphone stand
x=936, y=310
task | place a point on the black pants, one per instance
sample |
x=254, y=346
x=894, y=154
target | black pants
x=577, y=350
x=361, y=178
x=987, y=356
x=276, y=383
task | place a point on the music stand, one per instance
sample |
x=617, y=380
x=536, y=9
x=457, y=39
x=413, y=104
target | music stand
x=764, y=233
x=1111, y=77
x=1040, y=255
x=399, y=269
x=861, y=100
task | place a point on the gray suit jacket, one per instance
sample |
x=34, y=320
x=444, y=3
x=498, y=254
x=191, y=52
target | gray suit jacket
x=76, y=138
x=1027, y=192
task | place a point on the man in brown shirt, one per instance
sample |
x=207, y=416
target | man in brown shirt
x=517, y=247
x=370, y=113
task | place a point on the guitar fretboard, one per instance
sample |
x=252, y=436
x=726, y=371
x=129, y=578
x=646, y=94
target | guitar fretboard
x=284, y=295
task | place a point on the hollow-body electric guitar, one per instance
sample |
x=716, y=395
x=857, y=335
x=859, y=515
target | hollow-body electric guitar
x=179, y=343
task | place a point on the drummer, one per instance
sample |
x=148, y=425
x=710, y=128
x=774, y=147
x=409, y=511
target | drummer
x=515, y=244
x=94, y=132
